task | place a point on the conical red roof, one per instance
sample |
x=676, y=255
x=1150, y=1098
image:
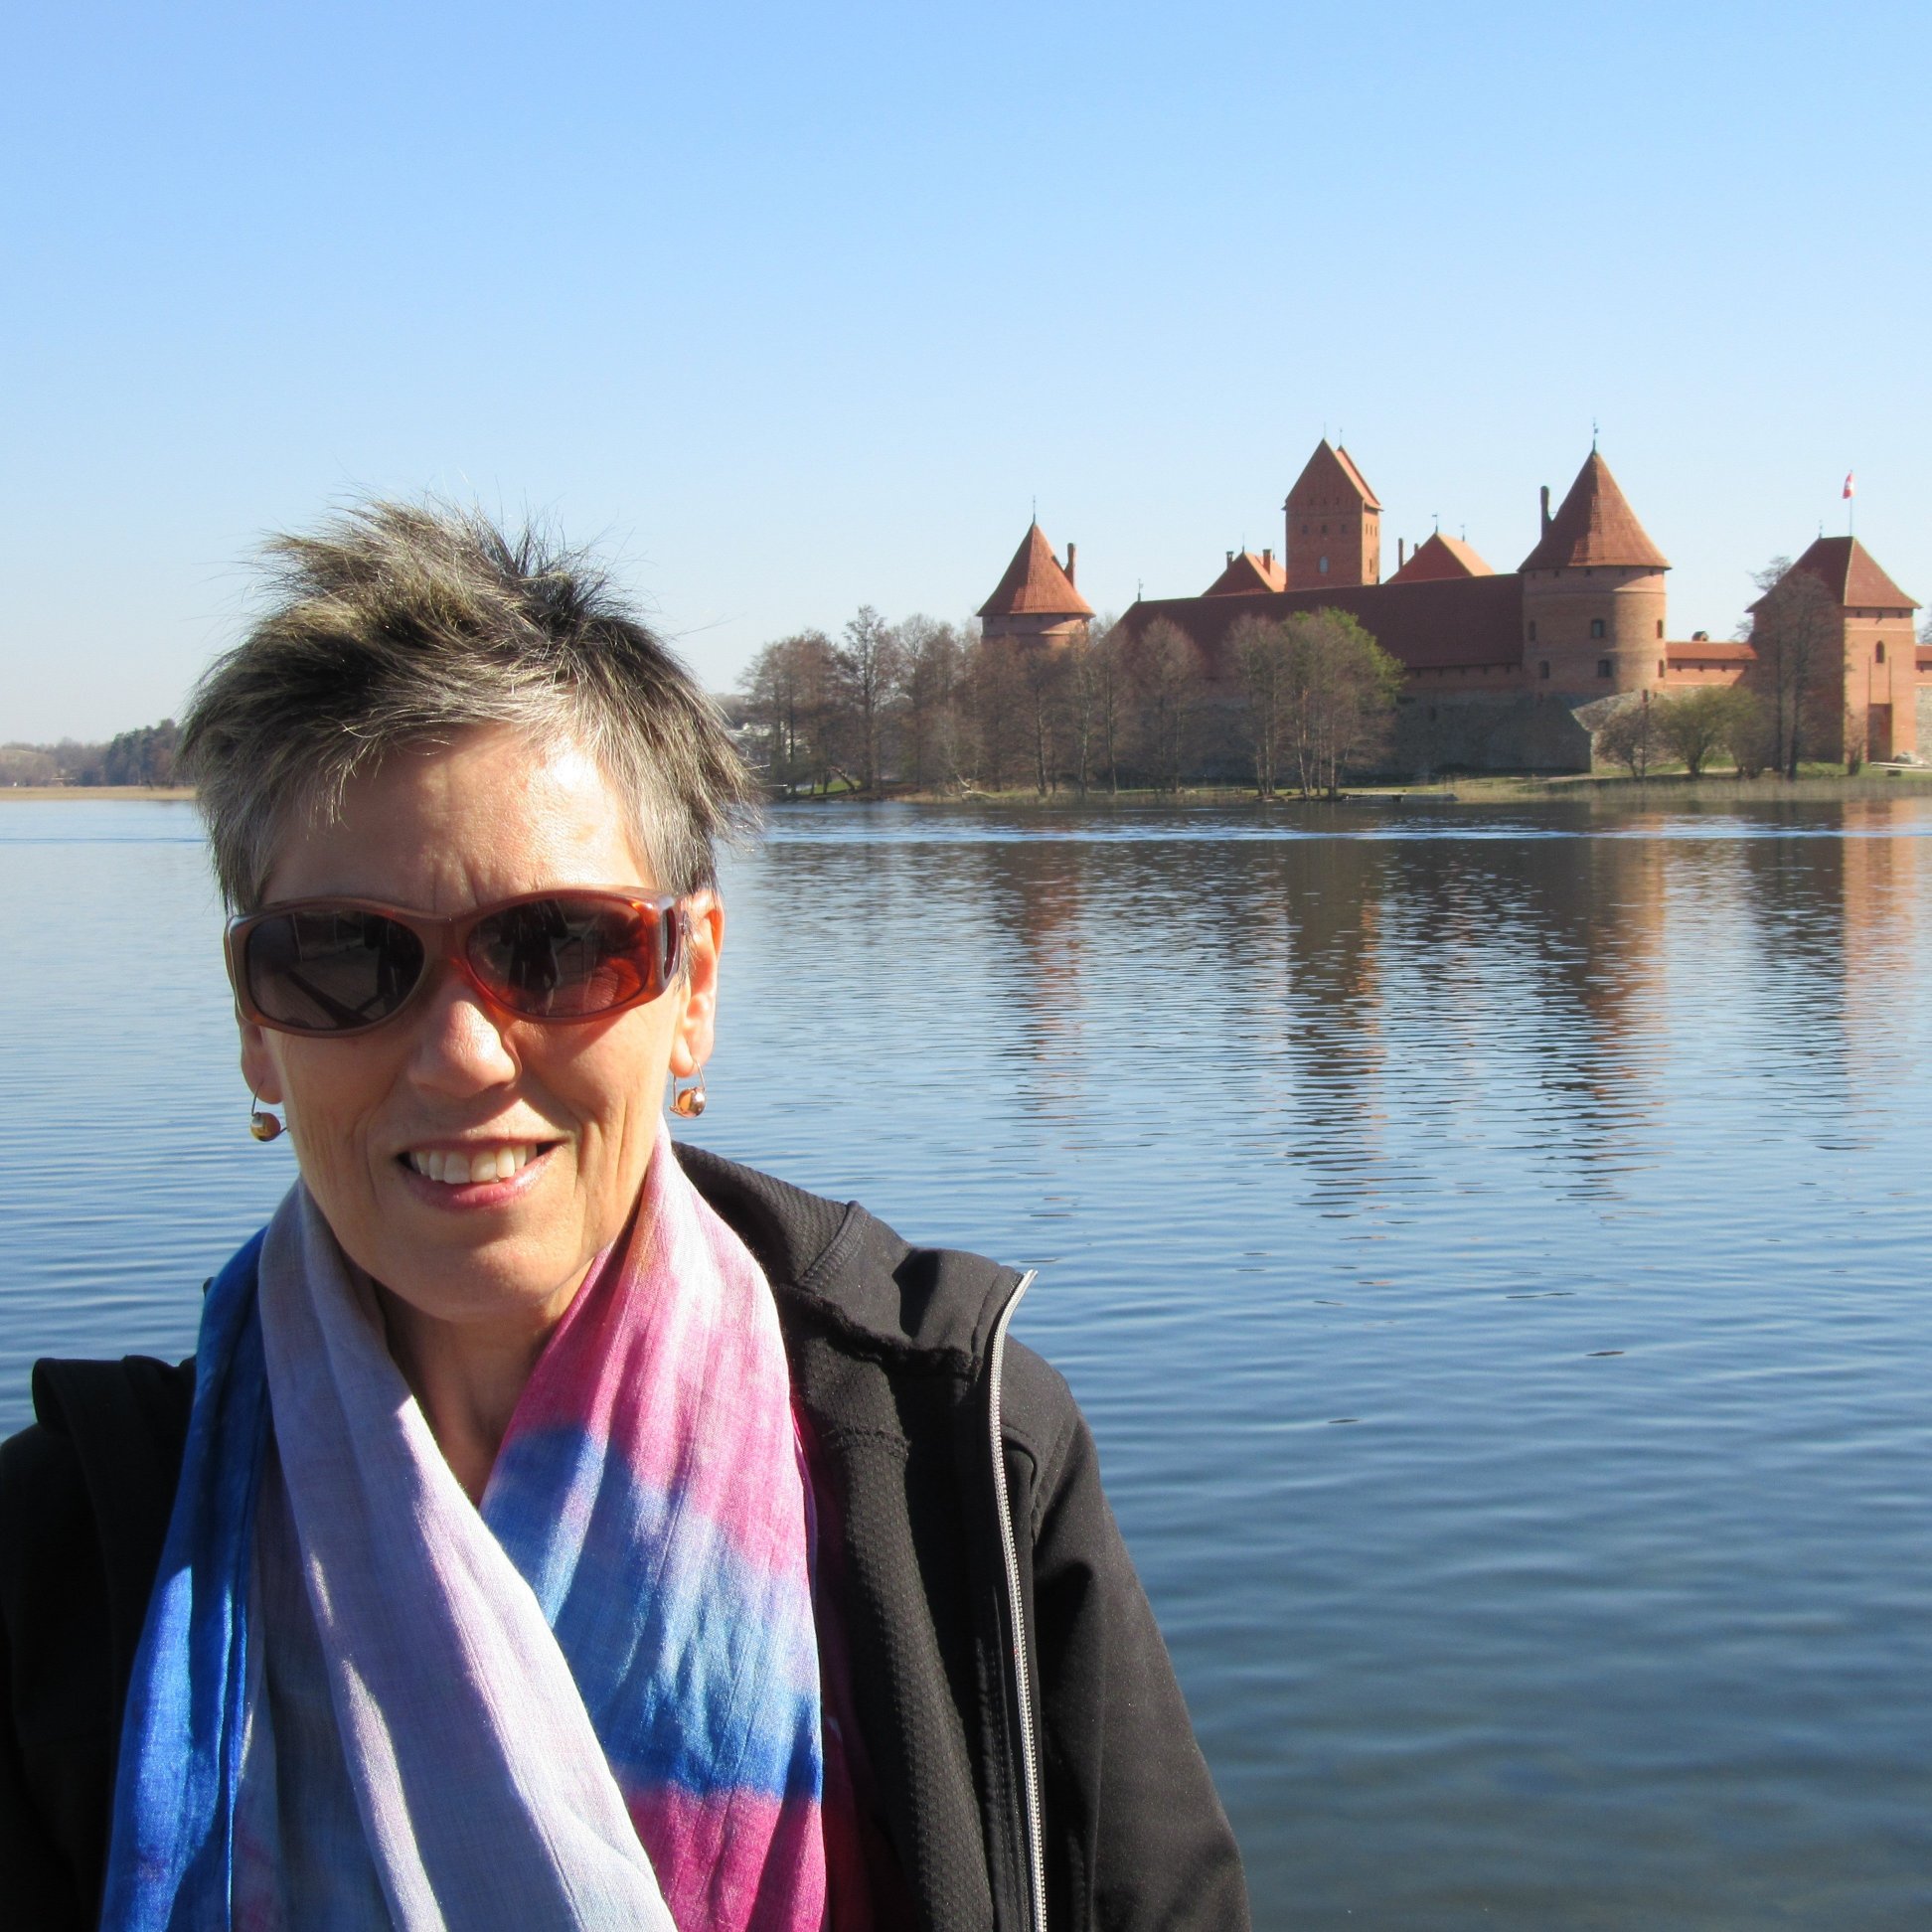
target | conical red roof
x=1852, y=574
x=1595, y=525
x=1035, y=584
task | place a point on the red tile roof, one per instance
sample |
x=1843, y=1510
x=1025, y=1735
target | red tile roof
x=1430, y=626
x=1330, y=465
x=1441, y=557
x=1595, y=525
x=1355, y=477
x=1035, y=584
x=1707, y=650
x=1852, y=574
x=1247, y=573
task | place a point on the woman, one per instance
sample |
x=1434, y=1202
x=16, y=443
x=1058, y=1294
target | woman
x=555, y=1527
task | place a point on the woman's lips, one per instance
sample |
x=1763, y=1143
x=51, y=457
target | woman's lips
x=480, y=1174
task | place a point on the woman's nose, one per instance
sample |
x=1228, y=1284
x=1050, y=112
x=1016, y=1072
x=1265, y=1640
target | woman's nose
x=460, y=1044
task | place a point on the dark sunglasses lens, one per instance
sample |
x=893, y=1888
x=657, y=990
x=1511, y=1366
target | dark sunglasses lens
x=567, y=957
x=328, y=971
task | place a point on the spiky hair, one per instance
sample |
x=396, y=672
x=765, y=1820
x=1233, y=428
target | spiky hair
x=405, y=624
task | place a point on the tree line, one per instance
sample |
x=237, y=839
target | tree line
x=930, y=707
x=142, y=756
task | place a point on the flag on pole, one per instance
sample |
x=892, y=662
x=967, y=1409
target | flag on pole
x=1849, y=490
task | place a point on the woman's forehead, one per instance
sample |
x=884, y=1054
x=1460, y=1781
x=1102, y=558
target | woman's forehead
x=440, y=828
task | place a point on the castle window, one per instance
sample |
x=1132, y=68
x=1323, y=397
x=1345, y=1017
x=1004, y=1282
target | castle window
x=1543, y=669
x=1596, y=626
x=1660, y=667
x=1879, y=655
x=1603, y=667
x=1660, y=627
x=1322, y=566
x=1532, y=630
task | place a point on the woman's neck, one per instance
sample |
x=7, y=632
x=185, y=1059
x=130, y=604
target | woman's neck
x=467, y=1376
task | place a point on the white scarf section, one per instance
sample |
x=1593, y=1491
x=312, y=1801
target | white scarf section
x=482, y=1800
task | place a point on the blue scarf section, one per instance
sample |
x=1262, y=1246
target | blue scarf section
x=171, y=1858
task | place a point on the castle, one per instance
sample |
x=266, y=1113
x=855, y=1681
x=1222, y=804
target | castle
x=1503, y=668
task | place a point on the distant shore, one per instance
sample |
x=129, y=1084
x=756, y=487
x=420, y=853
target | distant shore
x=1663, y=788
x=1671, y=787
x=180, y=794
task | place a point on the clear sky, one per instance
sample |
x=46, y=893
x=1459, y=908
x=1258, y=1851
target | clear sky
x=802, y=307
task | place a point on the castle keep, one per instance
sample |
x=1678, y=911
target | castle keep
x=1505, y=670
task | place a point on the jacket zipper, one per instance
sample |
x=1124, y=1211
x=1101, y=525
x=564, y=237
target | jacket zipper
x=1016, y=1611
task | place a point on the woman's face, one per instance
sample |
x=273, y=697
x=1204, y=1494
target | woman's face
x=441, y=832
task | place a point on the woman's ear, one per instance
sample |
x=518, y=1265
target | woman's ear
x=691, y=1046
x=258, y=1064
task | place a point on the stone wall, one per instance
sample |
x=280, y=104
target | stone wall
x=1454, y=732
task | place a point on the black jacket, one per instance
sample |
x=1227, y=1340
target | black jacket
x=1084, y=1781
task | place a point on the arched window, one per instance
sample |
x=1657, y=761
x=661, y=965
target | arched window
x=1878, y=656
x=1322, y=566
x=1596, y=626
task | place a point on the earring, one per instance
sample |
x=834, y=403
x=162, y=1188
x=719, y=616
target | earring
x=263, y=1125
x=688, y=1103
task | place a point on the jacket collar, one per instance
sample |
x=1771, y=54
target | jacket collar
x=838, y=1268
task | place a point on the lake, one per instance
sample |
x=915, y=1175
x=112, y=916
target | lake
x=1490, y=1245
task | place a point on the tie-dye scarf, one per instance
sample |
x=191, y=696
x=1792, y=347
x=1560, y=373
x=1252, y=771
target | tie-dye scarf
x=595, y=1703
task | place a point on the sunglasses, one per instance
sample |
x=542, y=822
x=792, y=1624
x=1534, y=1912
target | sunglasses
x=343, y=966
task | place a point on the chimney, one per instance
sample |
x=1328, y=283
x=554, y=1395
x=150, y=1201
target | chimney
x=1402, y=552
x=1545, y=506
x=1267, y=559
x=1072, y=550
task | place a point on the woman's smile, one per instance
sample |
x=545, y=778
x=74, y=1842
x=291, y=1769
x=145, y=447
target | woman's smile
x=476, y=1173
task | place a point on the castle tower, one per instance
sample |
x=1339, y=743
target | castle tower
x=1333, y=534
x=1880, y=706
x=1594, y=594
x=1036, y=601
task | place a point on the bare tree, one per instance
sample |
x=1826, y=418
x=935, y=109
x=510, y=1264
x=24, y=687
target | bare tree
x=868, y=667
x=1799, y=638
x=1265, y=657
x=1342, y=692
x=996, y=709
x=930, y=673
x=1101, y=675
x=1164, y=675
x=1044, y=676
x=27, y=764
x=1631, y=738
x=788, y=692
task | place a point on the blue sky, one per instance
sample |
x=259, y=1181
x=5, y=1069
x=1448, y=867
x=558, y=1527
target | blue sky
x=801, y=308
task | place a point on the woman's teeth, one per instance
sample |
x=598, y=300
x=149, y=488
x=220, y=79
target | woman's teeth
x=458, y=1169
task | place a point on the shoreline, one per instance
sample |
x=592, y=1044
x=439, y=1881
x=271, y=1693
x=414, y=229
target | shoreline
x=167, y=794
x=1665, y=789
x=1599, y=787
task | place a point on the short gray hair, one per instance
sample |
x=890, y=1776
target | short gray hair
x=398, y=624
